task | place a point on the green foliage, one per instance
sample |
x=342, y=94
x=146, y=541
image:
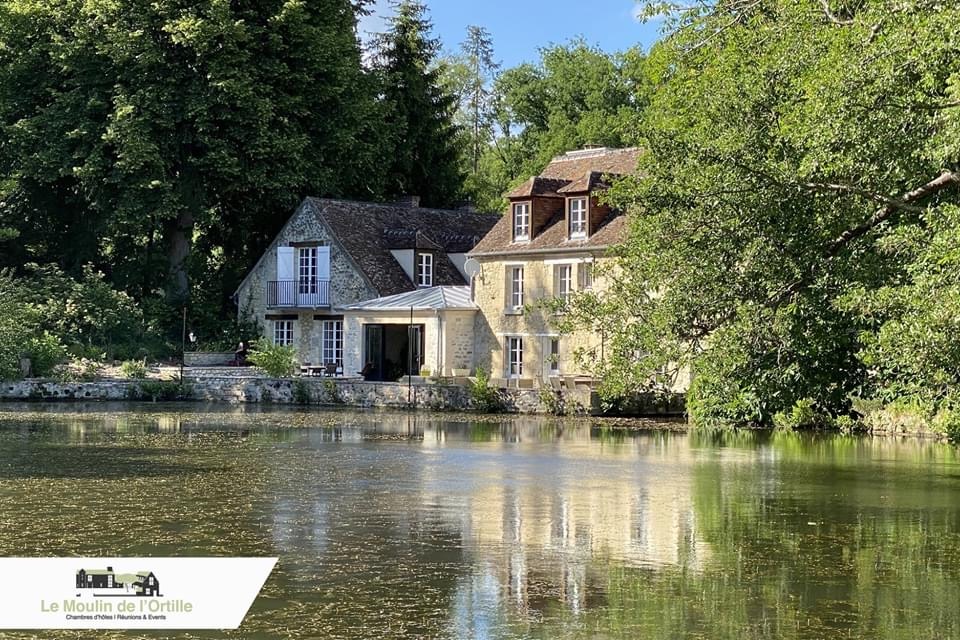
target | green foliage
x=553, y=401
x=301, y=392
x=574, y=96
x=159, y=390
x=277, y=361
x=332, y=391
x=422, y=157
x=78, y=370
x=803, y=415
x=167, y=142
x=45, y=352
x=133, y=369
x=768, y=213
x=485, y=397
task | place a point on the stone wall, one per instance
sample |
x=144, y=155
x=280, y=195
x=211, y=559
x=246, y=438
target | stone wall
x=347, y=284
x=535, y=326
x=318, y=391
x=208, y=358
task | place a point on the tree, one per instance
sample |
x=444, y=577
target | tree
x=574, y=96
x=800, y=156
x=133, y=132
x=477, y=53
x=418, y=112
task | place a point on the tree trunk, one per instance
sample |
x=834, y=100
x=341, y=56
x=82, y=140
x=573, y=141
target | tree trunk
x=179, y=234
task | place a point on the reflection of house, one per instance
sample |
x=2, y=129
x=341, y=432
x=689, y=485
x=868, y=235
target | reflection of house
x=333, y=254
x=547, y=246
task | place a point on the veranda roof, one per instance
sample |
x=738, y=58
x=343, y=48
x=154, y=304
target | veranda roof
x=426, y=299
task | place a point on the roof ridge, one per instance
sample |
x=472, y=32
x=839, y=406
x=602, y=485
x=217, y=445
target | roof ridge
x=395, y=206
x=580, y=154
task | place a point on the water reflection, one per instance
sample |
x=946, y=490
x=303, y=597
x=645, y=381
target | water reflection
x=409, y=525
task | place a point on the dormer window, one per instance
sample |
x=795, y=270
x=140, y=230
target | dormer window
x=577, y=217
x=521, y=221
x=425, y=270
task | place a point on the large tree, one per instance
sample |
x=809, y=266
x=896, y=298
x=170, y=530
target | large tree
x=573, y=96
x=792, y=218
x=423, y=159
x=132, y=131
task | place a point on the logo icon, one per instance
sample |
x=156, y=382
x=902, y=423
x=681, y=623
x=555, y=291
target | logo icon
x=106, y=583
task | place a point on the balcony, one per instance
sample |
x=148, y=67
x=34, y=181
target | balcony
x=298, y=294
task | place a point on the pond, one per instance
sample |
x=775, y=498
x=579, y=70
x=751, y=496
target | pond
x=396, y=525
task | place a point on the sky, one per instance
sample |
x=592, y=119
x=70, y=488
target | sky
x=521, y=27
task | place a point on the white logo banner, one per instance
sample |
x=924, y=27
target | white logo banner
x=129, y=593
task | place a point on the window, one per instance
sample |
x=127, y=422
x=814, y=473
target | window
x=516, y=288
x=425, y=270
x=585, y=276
x=554, y=356
x=333, y=342
x=521, y=221
x=563, y=280
x=309, y=268
x=514, y=357
x=577, y=216
x=283, y=332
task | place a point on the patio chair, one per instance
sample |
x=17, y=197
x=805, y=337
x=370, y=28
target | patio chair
x=305, y=369
x=330, y=369
x=555, y=383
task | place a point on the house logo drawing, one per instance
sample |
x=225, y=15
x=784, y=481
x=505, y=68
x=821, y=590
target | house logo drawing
x=108, y=583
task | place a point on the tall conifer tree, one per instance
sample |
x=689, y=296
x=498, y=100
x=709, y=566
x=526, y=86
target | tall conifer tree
x=424, y=158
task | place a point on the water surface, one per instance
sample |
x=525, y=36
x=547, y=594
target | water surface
x=392, y=525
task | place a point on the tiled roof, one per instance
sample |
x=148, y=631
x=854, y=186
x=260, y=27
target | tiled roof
x=429, y=299
x=592, y=180
x=368, y=231
x=574, y=165
x=537, y=186
x=576, y=170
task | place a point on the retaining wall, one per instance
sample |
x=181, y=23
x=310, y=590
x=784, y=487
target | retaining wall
x=316, y=391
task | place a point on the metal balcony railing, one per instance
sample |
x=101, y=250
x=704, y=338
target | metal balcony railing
x=298, y=294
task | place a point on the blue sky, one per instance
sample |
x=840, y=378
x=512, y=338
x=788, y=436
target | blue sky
x=520, y=27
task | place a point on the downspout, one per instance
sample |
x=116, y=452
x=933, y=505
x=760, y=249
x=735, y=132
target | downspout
x=439, y=367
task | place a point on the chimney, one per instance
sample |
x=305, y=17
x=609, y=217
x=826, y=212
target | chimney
x=408, y=201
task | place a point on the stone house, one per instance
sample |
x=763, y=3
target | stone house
x=548, y=245
x=332, y=256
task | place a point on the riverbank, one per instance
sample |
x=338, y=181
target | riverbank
x=244, y=388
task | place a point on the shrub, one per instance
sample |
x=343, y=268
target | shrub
x=159, y=390
x=134, y=369
x=803, y=415
x=276, y=361
x=332, y=391
x=45, y=352
x=553, y=401
x=486, y=398
x=301, y=392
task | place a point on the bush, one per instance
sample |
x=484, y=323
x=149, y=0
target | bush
x=274, y=360
x=133, y=369
x=301, y=392
x=45, y=352
x=159, y=390
x=486, y=398
x=803, y=415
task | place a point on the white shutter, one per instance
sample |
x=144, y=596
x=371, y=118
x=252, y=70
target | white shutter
x=323, y=263
x=286, y=275
x=286, y=266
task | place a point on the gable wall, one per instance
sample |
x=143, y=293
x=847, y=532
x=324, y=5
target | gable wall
x=347, y=285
